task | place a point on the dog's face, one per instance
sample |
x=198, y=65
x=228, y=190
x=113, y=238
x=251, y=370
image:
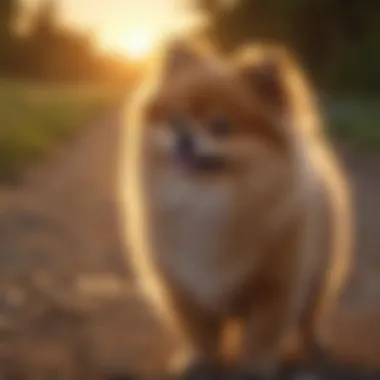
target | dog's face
x=203, y=118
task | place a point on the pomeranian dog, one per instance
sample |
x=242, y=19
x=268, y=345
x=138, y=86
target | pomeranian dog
x=236, y=210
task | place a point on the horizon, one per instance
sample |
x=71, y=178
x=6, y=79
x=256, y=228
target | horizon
x=125, y=26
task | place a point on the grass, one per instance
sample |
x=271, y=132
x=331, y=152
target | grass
x=34, y=119
x=355, y=120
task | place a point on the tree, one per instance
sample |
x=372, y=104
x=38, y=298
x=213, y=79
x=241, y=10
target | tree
x=45, y=19
x=326, y=35
x=8, y=15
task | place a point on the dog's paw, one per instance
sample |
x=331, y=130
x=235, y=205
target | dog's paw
x=242, y=375
x=200, y=372
x=185, y=366
x=120, y=376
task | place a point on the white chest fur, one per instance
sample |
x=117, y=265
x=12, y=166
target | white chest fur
x=191, y=222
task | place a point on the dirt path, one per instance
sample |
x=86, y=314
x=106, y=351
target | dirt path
x=63, y=221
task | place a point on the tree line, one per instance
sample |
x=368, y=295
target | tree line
x=338, y=41
x=49, y=51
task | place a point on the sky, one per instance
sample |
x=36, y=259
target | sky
x=121, y=24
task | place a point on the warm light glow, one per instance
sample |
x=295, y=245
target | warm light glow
x=131, y=28
x=137, y=45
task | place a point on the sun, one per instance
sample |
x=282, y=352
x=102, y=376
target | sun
x=137, y=45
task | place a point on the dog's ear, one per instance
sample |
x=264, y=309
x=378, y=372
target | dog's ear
x=180, y=56
x=265, y=75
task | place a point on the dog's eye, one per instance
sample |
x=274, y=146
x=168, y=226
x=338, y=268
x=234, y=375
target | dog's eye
x=178, y=123
x=220, y=127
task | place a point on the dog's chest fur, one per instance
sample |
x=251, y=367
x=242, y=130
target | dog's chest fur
x=192, y=223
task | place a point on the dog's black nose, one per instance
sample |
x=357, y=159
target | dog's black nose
x=185, y=143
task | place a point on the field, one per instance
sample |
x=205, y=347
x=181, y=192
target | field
x=35, y=118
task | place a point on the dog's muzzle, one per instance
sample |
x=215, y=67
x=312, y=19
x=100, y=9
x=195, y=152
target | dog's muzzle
x=190, y=158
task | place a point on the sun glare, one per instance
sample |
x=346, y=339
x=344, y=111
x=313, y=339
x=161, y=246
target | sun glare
x=137, y=45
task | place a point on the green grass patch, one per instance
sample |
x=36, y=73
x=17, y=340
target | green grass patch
x=34, y=119
x=356, y=121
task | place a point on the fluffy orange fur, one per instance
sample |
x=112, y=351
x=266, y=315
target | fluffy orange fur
x=261, y=240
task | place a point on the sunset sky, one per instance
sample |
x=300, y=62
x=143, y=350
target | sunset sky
x=131, y=26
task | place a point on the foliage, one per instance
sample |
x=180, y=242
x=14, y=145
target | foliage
x=74, y=83
x=355, y=120
x=34, y=118
x=52, y=52
x=337, y=40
